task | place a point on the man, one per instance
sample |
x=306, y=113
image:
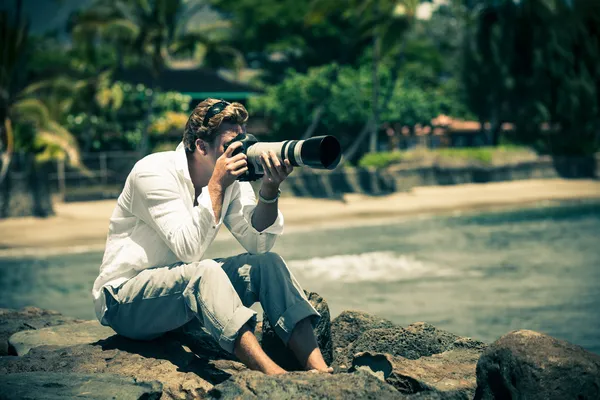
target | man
x=153, y=278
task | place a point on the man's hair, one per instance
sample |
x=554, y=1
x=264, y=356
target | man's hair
x=234, y=113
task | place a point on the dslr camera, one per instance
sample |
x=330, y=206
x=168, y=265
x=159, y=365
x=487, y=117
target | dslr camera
x=320, y=152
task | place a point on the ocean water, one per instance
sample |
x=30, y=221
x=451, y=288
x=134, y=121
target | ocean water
x=474, y=274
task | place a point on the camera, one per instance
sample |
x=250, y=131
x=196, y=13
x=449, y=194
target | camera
x=320, y=152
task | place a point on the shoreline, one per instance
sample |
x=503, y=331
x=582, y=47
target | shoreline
x=81, y=227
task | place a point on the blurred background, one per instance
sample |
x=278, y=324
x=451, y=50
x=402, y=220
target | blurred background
x=476, y=122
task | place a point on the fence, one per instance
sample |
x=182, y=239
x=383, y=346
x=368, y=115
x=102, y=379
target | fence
x=103, y=177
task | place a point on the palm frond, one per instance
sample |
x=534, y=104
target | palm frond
x=60, y=83
x=58, y=143
x=31, y=111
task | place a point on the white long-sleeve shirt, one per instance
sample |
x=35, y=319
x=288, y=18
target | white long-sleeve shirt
x=155, y=222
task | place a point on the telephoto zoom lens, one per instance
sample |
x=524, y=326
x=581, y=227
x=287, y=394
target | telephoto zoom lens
x=320, y=152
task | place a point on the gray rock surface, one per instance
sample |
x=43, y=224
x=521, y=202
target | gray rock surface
x=61, y=335
x=304, y=385
x=167, y=359
x=451, y=372
x=349, y=325
x=60, y=385
x=416, y=340
x=12, y=321
x=275, y=348
x=530, y=365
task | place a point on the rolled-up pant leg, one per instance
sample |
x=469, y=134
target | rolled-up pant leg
x=267, y=279
x=218, y=292
x=158, y=300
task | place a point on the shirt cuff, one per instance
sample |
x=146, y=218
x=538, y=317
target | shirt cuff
x=276, y=228
x=205, y=202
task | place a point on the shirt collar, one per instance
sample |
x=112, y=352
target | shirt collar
x=181, y=162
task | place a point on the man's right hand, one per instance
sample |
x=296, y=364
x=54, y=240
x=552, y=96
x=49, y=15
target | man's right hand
x=228, y=168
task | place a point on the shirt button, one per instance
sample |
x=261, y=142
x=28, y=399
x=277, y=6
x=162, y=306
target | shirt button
x=214, y=227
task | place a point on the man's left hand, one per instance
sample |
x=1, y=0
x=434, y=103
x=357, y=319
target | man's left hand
x=275, y=171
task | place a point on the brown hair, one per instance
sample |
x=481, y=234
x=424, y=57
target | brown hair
x=234, y=112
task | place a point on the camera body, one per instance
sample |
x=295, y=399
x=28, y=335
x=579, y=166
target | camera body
x=321, y=152
x=247, y=140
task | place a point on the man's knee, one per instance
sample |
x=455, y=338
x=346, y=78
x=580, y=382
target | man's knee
x=212, y=274
x=202, y=273
x=273, y=268
x=271, y=263
x=273, y=259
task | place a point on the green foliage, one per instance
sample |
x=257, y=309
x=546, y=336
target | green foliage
x=277, y=35
x=121, y=114
x=451, y=156
x=535, y=63
x=289, y=106
x=165, y=146
x=381, y=159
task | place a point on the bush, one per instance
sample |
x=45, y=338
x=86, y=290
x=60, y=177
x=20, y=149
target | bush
x=450, y=156
x=380, y=160
x=344, y=96
x=120, y=113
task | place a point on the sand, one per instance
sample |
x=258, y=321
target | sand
x=81, y=227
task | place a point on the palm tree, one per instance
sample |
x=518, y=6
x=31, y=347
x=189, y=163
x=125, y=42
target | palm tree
x=153, y=32
x=21, y=110
x=14, y=36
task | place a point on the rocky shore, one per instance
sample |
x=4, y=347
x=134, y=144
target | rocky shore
x=45, y=355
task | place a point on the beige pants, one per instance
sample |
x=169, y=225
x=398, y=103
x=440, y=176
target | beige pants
x=218, y=292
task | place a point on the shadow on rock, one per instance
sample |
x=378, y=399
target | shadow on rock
x=189, y=348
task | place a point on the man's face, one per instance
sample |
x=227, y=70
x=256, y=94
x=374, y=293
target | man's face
x=227, y=131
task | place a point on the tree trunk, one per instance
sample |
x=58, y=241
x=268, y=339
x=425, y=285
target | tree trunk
x=26, y=192
x=349, y=154
x=375, y=116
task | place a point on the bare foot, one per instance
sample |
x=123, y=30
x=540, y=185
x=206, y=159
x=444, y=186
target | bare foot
x=329, y=370
x=276, y=371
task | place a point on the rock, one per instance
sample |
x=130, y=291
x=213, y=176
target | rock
x=451, y=372
x=417, y=340
x=530, y=365
x=170, y=361
x=349, y=325
x=437, y=396
x=55, y=386
x=275, y=348
x=303, y=385
x=199, y=341
x=61, y=335
x=345, y=329
x=12, y=321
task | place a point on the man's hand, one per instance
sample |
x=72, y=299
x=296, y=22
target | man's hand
x=228, y=168
x=275, y=172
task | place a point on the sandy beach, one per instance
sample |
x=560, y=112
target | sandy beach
x=81, y=227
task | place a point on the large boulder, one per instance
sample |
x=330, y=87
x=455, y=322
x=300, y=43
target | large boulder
x=346, y=328
x=349, y=325
x=56, y=386
x=304, y=385
x=282, y=355
x=182, y=373
x=12, y=321
x=61, y=335
x=451, y=373
x=530, y=365
x=419, y=339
